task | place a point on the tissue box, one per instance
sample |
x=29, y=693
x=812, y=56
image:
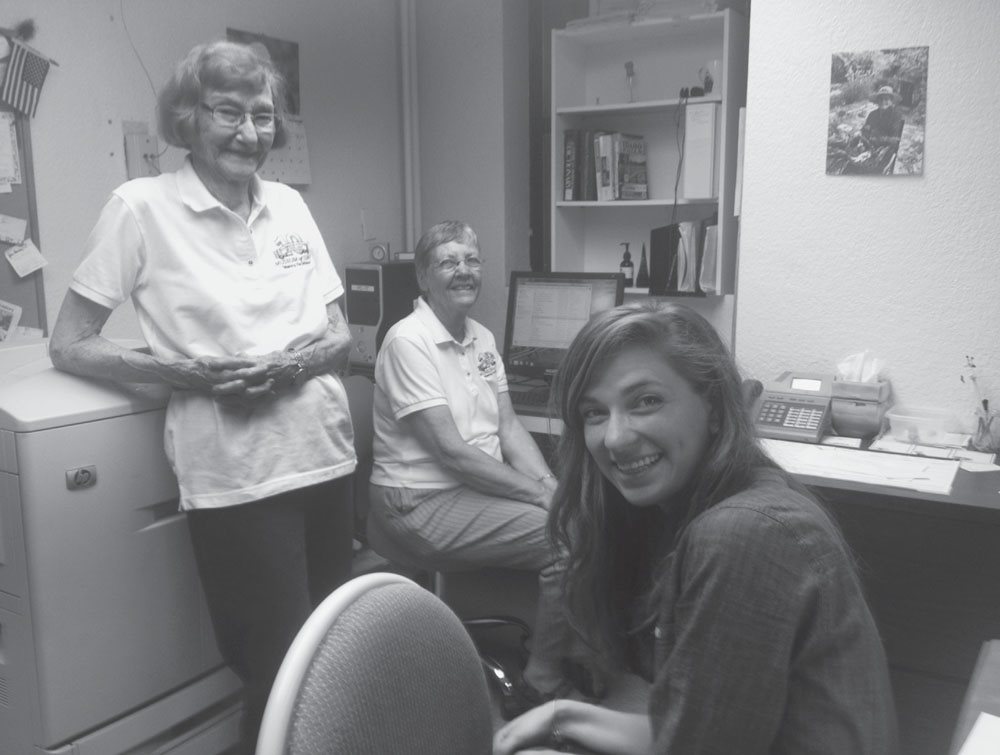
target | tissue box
x=857, y=409
x=925, y=425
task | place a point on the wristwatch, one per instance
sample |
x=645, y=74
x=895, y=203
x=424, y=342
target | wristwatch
x=300, y=366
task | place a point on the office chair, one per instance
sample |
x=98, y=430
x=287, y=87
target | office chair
x=500, y=638
x=381, y=666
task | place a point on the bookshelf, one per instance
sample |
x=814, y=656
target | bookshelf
x=590, y=93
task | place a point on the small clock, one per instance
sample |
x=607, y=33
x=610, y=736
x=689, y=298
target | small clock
x=379, y=252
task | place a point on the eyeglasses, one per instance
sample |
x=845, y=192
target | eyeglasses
x=450, y=264
x=232, y=117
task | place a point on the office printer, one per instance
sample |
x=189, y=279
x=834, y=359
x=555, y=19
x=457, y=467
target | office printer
x=106, y=646
x=857, y=409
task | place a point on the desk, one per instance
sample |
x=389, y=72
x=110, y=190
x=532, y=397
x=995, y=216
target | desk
x=983, y=694
x=930, y=565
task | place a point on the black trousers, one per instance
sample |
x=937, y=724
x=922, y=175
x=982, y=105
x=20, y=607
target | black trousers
x=264, y=566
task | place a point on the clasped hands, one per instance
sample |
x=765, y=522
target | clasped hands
x=242, y=380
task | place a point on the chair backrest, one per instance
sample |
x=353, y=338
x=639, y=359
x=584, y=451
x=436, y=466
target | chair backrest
x=381, y=666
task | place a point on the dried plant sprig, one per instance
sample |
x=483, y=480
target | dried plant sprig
x=970, y=363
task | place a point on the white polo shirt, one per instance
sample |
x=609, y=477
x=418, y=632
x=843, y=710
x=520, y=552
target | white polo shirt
x=419, y=366
x=206, y=283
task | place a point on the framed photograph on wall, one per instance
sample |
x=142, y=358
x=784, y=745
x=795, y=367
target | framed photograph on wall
x=878, y=111
x=284, y=55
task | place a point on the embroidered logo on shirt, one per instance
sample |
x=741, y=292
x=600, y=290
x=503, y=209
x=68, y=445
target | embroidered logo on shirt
x=487, y=364
x=291, y=251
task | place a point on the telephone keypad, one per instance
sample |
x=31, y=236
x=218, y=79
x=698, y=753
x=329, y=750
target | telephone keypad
x=785, y=414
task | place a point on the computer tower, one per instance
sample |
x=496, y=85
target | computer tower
x=378, y=295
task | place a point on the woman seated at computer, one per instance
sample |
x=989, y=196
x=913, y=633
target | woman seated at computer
x=457, y=482
x=697, y=563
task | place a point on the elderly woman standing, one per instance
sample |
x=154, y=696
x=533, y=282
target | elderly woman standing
x=457, y=482
x=237, y=299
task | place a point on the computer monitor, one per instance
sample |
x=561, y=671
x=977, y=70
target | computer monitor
x=545, y=311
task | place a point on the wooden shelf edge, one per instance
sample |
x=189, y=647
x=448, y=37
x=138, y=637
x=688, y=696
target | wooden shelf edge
x=637, y=202
x=624, y=108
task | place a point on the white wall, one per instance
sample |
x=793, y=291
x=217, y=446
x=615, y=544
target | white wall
x=906, y=267
x=473, y=92
x=350, y=94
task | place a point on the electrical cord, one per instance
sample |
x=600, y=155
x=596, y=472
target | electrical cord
x=680, y=134
x=152, y=161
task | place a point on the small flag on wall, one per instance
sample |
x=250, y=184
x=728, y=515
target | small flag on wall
x=26, y=72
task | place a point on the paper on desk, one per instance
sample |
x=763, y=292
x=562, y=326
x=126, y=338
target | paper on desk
x=25, y=333
x=978, y=466
x=840, y=440
x=951, y=446
x=984, y=739
x=955, y=450
x=898, y=471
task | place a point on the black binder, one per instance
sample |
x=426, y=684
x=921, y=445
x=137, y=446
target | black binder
x=663, y=259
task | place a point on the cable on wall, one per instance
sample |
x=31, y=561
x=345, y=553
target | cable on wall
x=151, y=161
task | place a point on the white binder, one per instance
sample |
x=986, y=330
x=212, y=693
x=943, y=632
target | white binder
x=699, y=150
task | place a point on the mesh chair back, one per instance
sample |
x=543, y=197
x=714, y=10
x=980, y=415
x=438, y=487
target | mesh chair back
x=394, y=673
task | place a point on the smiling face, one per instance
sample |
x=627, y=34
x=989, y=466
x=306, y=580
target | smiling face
x=644, y=426
x=451, y=280
x=227, y=157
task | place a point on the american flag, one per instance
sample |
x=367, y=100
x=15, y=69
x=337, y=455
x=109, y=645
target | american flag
x=26, y=73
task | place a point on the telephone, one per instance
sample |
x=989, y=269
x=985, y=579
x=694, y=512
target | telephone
x=795, y=406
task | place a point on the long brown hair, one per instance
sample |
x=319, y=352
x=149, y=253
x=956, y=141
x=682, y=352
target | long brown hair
x=613, y=548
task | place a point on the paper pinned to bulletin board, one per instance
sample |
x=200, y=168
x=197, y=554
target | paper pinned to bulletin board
x=21, y=276
x=10, y=159
x=290, y=162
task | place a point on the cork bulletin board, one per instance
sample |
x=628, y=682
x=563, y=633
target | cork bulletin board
x=28, y=292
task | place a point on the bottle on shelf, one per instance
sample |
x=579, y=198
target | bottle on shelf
x=626, y=268
x=642, y=277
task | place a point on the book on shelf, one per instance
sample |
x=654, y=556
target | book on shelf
x=587, y=163
x=687, y=258
x=630, y=160
x=569, y=165
x=683, y=257
x=709, y=259
x=604, y=166
x=572, y=165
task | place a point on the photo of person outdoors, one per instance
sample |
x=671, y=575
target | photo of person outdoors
x=877, y=113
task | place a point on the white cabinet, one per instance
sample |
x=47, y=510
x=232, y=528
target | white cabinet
x=590, y=92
